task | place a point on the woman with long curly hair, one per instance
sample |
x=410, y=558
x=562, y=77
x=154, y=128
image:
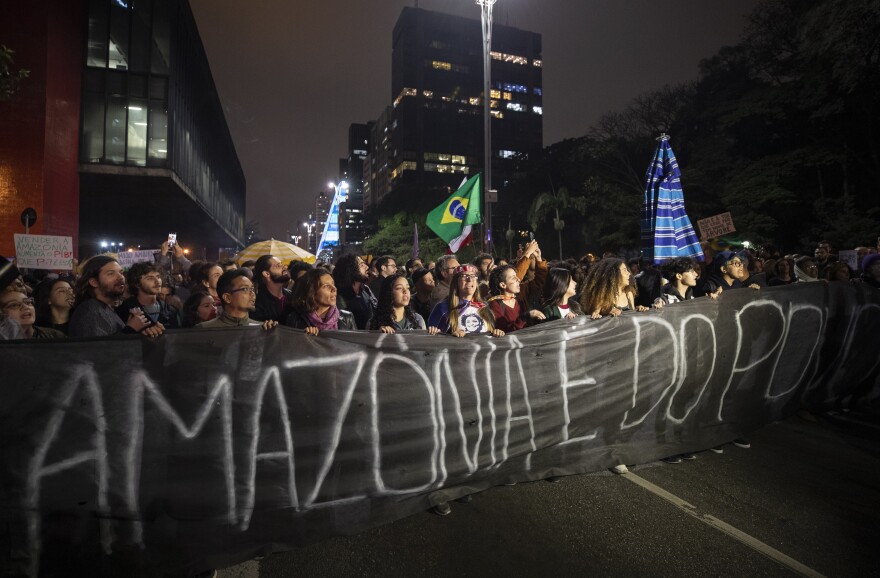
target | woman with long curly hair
x=461, y=313
x=608, y=289
x=394, y=312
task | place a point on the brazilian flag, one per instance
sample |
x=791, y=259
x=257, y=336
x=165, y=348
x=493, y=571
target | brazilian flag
x=455, y=217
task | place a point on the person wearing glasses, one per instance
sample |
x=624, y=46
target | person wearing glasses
x=273, y=297
x=54, y=300
x=724, y=273
x=443, y=271
x=239, y=298
x=19, y=307
x=314, y=305
x=461, y=313
x=145, y=284
x=386, y=266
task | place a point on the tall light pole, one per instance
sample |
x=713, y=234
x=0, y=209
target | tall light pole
x=486, y=20
x=308, y=225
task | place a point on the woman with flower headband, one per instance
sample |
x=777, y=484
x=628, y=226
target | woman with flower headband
x=460, y=313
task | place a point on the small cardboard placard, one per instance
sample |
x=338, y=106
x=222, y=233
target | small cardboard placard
x=43, y=252
x=129, y=258
x=716, y=226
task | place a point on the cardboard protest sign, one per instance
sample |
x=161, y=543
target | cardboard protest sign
x=851, y=258
x=43, y=252
x=716, y=226
x=129, y=258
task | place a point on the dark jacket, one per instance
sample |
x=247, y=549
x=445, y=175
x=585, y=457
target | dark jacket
x=268, y=307
x=362, y=306
x=167, y=314
x=299, y=320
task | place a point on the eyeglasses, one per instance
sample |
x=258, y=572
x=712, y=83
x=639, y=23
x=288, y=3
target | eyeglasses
x=735, y=263
x=468, y=277
x=18, y=305
x=249, y=289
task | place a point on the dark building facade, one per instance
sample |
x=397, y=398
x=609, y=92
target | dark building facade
x=152, y=151
x=432, y=135
x=351, y=170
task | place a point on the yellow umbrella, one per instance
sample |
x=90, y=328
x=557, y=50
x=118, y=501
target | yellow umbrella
x=285, y=252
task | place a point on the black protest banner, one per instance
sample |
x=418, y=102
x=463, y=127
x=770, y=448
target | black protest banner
x=205, y=448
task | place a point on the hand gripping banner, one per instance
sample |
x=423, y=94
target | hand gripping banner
x=201, y=449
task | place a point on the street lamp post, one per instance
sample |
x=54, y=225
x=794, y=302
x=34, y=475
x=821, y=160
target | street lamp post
x=486, y=20
x=309, y=225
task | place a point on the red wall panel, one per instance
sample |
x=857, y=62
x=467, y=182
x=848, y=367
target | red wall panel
x=39, y=126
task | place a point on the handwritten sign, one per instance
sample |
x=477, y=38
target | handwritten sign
x=129, y=258
x=716, y=226
x=43, y=252
x=851, y=258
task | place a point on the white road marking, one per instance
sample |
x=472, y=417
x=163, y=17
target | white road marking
x=722, y=526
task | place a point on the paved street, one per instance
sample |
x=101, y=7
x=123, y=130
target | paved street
x=805, y=499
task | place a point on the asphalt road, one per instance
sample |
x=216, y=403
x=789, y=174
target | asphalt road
x=805, y=499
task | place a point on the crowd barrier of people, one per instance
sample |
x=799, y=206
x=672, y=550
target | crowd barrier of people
x=446, y=296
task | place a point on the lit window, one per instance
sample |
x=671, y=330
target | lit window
x=537, y=63
x=507, y=96
x=493, y=104
x=513, y=87
x=538, y=91
x=538, y=109
x=509, y=58
x=475, y=100
x=458, y=159
x=409, y=92
x=497, y=113
x=439, y=65
x=495, y=93
x=428, y=93
x=505, y=154
x=516, y=106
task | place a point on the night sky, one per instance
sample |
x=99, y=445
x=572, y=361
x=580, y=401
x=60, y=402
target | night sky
x=293, y=75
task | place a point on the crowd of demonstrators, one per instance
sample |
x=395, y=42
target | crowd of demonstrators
x=314, y=305
x=393, y=312
x=100, y=286
x=445, y=296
